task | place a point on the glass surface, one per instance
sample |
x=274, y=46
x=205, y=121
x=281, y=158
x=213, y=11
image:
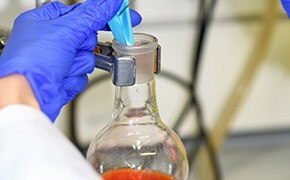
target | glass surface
x=136, y=144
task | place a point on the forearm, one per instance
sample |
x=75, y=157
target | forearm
x=15, y=89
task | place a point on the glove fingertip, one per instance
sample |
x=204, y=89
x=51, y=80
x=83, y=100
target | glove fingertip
x=76, y=83
x=83, y=82
x=136, y=18
x=94, y=14
x=91, y=63
x=286, y=6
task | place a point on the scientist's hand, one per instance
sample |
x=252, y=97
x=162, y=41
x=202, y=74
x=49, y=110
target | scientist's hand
x=52, y=47
x=286, y=6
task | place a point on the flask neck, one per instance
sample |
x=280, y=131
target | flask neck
x=144, y=52
x=136, y=104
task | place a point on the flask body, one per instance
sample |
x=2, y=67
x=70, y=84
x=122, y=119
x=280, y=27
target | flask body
x=137, y=144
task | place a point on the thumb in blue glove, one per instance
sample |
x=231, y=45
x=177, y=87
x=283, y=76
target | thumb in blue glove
x=52, y=46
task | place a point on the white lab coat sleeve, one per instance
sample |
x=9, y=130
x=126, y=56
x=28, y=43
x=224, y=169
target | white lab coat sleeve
x=32, y=148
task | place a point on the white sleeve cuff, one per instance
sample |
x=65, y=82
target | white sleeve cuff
x=32, y=148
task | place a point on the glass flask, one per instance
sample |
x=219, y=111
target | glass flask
x=136, y=144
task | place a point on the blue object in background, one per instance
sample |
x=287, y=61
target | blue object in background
x=286, y=6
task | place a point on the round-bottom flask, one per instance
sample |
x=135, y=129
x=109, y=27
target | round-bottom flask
x=137, y=145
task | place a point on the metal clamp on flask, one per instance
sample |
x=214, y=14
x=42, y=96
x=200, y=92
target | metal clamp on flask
x=4, y=34
x=122, y=68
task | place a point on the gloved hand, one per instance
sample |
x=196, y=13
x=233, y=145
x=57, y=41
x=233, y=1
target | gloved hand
x=52, y=47
x=286, y=6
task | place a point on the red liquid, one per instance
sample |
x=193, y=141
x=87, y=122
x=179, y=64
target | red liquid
x=133, y=174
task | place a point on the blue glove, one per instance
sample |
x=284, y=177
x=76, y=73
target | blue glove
x=52, y=46
x=286, y=6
